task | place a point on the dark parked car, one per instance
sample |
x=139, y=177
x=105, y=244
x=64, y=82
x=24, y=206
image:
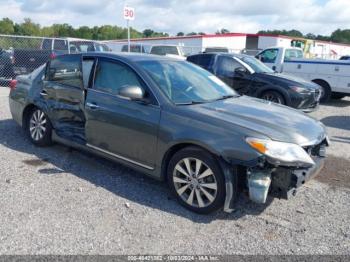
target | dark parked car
x=249, y=76
x=6, y=64
x=345, y=57
x=173, y=121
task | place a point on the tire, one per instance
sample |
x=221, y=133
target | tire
x=326, y=90
x=39, y=128
x=337, y=96
x=204, y=194
x=273, y=96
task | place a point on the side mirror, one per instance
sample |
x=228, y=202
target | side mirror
x=241, y=70
x=260, y=58
x=134, y=93
x=52, y=73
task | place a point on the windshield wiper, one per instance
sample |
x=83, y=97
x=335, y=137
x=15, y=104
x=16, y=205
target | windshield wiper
x=226, y=97
x=191, y=103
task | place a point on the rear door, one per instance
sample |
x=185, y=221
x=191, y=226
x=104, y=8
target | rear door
x=63, y=96
x=121, y=128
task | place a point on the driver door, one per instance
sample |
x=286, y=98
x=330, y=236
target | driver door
x=225, y=70
x=122, y=128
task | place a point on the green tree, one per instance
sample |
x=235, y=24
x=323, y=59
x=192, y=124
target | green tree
x=180, y=34
x=341, y=36
x=27, y=28
x=7, y=26
x=84, y=32
x=148, y=33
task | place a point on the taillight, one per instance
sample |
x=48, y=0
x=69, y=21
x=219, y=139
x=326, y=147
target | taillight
x=13, y=84
x=53, y=56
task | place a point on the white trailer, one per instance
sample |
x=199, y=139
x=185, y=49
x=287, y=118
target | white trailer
x=332, y=75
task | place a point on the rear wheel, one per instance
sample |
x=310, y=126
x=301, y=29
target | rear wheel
x=39, y=128
x=326, y=91
x=273, y=96
x=197, y=181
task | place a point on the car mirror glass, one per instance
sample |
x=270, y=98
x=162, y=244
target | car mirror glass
x=134, y=93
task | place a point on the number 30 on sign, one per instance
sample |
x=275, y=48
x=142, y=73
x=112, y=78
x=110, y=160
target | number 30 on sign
x=129, y=13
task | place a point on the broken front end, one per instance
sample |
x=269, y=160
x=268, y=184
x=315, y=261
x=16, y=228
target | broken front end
x=282, y=168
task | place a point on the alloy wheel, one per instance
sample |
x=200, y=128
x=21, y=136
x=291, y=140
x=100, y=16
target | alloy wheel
x=195, y=182
x=272, y=98
x=37, y=125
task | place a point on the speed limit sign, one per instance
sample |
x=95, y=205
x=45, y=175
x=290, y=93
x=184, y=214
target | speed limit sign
x=129, y=13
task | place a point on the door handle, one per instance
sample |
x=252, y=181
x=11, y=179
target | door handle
x=92, y=105
x=43, y=92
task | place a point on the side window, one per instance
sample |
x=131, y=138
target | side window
x=66, y=70
x=205, y=61
x=87, y=67
x=46, y=44
x=125, y=48
x=112, y=76
x=227, y=66
x=193, y=59
x=60, y=45
x=269, y=56
x=157, y=50
x=292, y=54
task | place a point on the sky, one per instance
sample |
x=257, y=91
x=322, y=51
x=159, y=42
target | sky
x=172, y=16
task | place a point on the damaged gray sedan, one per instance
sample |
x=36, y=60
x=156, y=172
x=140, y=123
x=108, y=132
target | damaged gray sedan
x=172, y=121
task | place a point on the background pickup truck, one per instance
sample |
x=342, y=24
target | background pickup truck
x=332, y=75
x=27, y=60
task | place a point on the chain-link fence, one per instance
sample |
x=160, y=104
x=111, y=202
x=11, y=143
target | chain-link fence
x=180, y=50
x=22, y=54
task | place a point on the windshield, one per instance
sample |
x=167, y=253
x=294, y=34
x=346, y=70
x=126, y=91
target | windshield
x=256, y=65
x=185, y=83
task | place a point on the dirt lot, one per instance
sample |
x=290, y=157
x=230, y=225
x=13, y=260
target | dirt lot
x=59, y=201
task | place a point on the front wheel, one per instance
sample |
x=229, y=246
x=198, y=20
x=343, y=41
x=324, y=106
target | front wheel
x=197, y=181
x=39, y=128
x=273, y=96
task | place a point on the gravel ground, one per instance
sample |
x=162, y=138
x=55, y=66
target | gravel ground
x=59, y=201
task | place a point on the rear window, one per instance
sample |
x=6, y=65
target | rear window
x=66, y=70
x=46, y=44
x=133, y=49
x=60, y=45
x=164, y=50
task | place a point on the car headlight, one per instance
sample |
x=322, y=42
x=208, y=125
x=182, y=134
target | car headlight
x=283, y=153
x=299, y=89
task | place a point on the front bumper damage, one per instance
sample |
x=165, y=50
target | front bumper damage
x=277, y=181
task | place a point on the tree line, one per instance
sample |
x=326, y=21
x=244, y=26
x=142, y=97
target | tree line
x=110, y=32
x=104, y=32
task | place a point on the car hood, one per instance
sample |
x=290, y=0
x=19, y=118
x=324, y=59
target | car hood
x=287, y=80
x=275, y=121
